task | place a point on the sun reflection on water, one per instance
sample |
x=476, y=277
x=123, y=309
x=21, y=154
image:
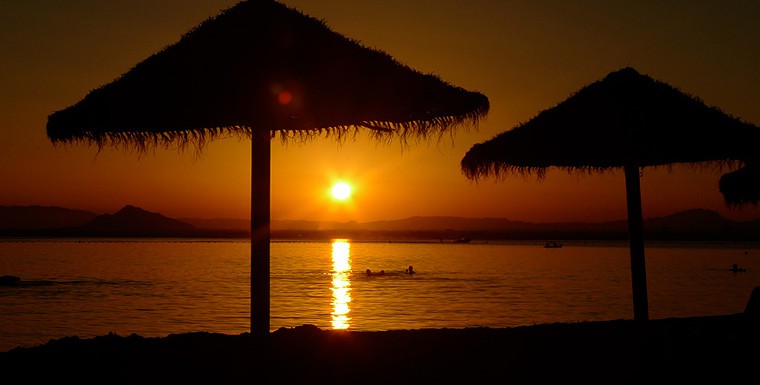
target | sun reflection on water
x=341, y=284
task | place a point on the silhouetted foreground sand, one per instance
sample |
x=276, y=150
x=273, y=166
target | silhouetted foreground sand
x=720, y=349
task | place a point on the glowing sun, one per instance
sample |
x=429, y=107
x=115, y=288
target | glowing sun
x=341, y=191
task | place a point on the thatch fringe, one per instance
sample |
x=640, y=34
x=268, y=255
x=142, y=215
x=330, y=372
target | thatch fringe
x=741, y=187
x=500, y=171
x=142, y=142
x=190, y=94
x=626, y=118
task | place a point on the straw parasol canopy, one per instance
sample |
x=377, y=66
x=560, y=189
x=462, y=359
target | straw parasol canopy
x=626, y=120
x=262, y=66
x=261, y=70
x=742, y=186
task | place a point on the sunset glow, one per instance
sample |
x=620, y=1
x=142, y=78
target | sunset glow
x=387, y=180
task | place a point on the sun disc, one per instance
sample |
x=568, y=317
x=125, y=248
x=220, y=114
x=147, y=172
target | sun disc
x=341, y=191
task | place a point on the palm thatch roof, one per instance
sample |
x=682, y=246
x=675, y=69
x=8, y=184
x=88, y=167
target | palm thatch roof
x=742, y=186
x=262, y=66
x=624, y=118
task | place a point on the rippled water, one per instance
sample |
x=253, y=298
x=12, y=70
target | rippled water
x=158, y=287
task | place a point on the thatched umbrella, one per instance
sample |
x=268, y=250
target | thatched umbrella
x=258, y=70
x=627, y=120
x=742, y=186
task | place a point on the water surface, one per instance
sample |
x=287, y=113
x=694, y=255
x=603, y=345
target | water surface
x=90, y=287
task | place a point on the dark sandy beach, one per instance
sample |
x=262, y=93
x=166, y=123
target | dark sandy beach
x=716, y=349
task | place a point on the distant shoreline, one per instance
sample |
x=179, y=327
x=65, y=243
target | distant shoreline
x=130, y=221
x=388, y=236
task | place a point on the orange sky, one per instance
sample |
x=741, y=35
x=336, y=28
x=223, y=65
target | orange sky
x=525, y=56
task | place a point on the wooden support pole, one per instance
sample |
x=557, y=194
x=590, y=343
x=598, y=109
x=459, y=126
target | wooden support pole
x=260, y=230
x=636, y=234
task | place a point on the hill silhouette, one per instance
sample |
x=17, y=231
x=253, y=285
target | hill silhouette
x=41, y=217
x=134, y=221
x=131, y=221
x=696, y=224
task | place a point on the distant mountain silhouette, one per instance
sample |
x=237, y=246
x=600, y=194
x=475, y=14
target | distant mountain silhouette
x=41, y=217
x=131, y=221
x=696, y=220
x=234, y=224
x=134, y=221
x=697, y=224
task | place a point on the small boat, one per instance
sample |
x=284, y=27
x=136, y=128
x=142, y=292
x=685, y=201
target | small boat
x=462, y=240
x=552, y=245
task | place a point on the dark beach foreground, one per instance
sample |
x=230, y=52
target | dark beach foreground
x=718, y=349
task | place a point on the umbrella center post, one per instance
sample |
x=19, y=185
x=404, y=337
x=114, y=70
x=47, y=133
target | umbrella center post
x=636, y=234
x=260, y=231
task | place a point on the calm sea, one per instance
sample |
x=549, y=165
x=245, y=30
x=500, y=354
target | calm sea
x=90, y=287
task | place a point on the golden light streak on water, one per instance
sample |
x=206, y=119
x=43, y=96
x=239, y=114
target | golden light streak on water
x=341, y=284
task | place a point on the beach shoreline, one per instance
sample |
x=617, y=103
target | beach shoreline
x=679, y=350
